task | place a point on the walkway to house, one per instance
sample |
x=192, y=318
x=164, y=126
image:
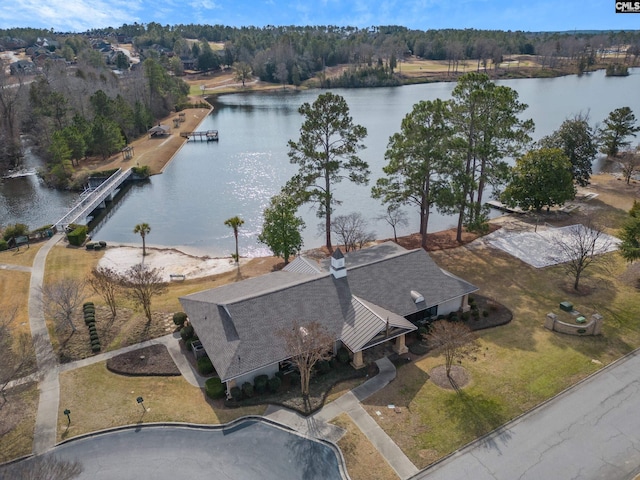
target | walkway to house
x=317, y=424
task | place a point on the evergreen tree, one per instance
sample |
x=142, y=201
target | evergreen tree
x=325, y=153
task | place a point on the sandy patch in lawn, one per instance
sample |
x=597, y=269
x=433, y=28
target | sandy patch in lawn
x=167, y=261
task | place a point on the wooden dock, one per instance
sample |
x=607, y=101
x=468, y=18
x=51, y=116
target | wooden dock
x=205, y=135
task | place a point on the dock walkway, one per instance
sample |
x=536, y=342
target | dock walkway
x=208, y=135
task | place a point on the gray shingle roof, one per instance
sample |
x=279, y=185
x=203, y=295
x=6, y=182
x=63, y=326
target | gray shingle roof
x=239, y=324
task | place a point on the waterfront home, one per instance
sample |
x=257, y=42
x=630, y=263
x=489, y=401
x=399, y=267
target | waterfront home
x=363, y=299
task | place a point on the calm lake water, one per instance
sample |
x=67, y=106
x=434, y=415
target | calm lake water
x=207, y=183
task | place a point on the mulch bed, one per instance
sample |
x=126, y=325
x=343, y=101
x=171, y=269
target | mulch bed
x=498, y=314
x=459, y=377
x=148, y=361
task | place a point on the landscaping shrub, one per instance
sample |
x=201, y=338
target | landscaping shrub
x=343, y=355
x=78, y=236
x=323, y=367
x=485, y=313
x=205, y=367
x=95, y=343
x=15, y=230
x=3, y=245
x=475, y=314
x=294, y=378
x=274, y=384
x=88, y=304
x=94, y=336
x=280, y=375
x=91, y=324
x=179, y=318
x=260, y=383
x=186, y=333
x=95, y=348
x=422, y=331
x=214, y=388
x=247, y=389
x=89, y=246
x=236, y=393
x=465, y=316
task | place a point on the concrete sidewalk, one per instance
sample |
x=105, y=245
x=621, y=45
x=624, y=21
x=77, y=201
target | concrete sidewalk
x=317, y=425
x=44, y=436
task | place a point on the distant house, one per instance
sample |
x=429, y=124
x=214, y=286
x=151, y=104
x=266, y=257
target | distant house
x=159, y=131
x=22, y=67
x=366, y=298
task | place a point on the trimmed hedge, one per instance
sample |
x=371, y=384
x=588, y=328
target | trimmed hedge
x=236, y=393
x=179, y=318
x=343, y=355
x=274, y=384
x=205, y=367
x=186, y=333
x=247, y=389
x=78, y=236
x=260, y=383
x=214, y=388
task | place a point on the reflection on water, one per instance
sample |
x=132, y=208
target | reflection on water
x=208, y=182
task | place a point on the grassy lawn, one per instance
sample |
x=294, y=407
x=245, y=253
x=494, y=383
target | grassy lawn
x=363, y=460
x=17, y=422
x=519, y=365
x=99, y=399
x=23, y=257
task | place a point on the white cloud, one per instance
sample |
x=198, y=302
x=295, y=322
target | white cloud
x=69, y=15
x=205, y=4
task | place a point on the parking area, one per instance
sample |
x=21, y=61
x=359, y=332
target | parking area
x=252, y=448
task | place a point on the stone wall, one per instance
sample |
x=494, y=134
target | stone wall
x=592, y=327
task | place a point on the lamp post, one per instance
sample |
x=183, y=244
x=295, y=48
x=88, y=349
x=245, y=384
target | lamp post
x=67, y=412
x=140, y=400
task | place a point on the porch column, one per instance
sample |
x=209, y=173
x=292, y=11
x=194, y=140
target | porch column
x=230, y=385
x=357, y=360
x=400, y=346
x=465, y=304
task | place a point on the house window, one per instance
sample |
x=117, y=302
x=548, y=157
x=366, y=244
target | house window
x=423, y=316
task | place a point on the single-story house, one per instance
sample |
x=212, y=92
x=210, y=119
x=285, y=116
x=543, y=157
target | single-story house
x=364, y=298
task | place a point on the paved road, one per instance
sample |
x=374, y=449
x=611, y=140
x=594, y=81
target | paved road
x=589, y=432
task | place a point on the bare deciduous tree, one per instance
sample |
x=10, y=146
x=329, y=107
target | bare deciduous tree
x=630, y=162
x=142, y=284
x=351, y=230
x=42, y=466
x=106, y=283
x=307, y=345
x=395, y=217
x=62, y=299
x=454, y=339
x=17, y=357
x=582, y=249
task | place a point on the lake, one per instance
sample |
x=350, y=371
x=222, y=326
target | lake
x=208, y=182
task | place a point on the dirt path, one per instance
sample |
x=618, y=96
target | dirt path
x=156, y=152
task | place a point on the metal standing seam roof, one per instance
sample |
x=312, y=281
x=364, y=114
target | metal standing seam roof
x=368, y=321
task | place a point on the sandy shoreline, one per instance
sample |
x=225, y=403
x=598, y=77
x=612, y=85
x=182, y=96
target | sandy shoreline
x=168, y=261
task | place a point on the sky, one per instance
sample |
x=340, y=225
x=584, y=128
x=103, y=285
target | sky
x=532, y=15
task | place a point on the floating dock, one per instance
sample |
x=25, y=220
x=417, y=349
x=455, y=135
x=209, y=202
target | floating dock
x=205, y=135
